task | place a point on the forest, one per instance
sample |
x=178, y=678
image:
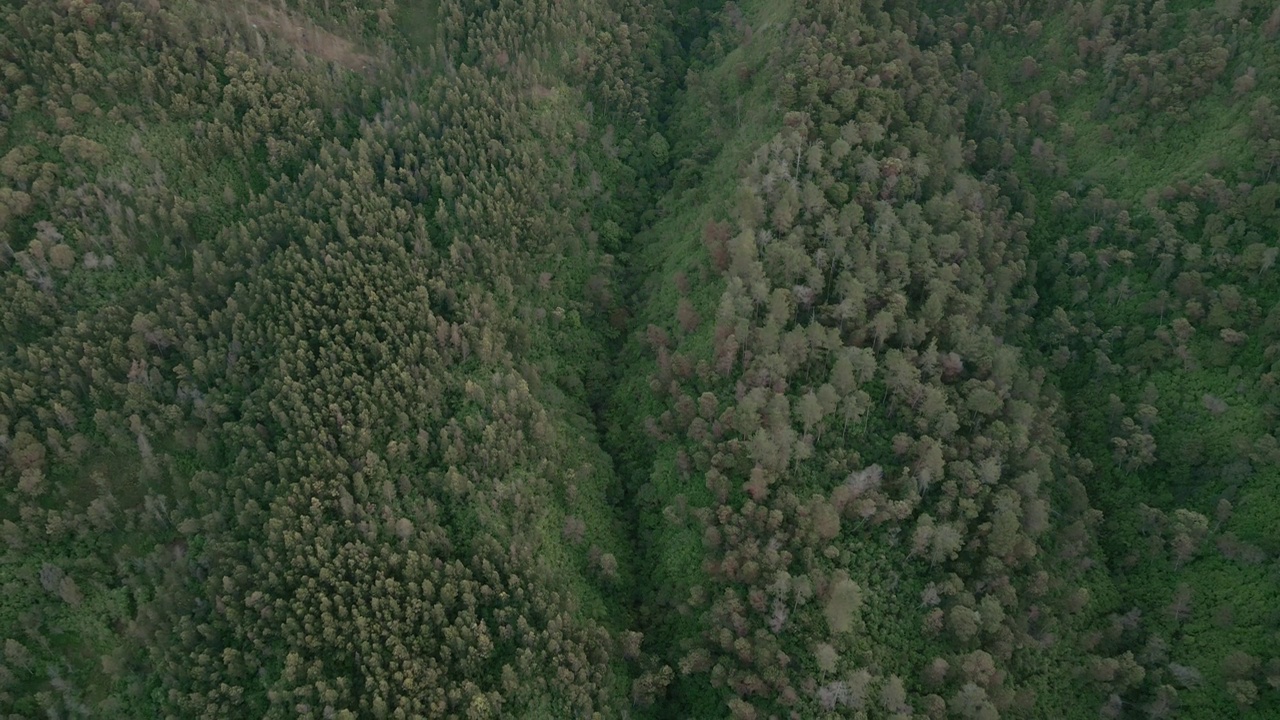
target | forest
x=652, y=359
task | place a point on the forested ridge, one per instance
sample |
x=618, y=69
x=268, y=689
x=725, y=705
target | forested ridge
x=559, y=359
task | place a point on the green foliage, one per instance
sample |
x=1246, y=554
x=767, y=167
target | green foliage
x=1150, y=261
x=558, y=359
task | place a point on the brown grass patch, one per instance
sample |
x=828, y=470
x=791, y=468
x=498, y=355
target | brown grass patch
x=308, y=37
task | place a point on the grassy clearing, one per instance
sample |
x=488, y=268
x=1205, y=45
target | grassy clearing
x=419, y=22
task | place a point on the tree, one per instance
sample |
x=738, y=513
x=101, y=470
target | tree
x=971, y=701
x=826, y=657
x=809, y=411
x=687, y=316
x=843, y=603
x=935, y=673
x=715, y=237
x=1240, y=665
x=964, y=622
x=1244, y=692
x=893, y=696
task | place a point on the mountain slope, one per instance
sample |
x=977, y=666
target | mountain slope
x=781, y=359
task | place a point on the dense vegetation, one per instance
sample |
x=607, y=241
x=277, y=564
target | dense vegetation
x=774, y=359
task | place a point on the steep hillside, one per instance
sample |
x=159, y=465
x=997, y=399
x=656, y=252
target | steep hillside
x=295, y=363
x=772, y=359
x=854, y=469
x=1143, y=138
x=1070, y=208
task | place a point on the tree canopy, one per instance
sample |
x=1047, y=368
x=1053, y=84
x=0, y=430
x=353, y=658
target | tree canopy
x=639, y=359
